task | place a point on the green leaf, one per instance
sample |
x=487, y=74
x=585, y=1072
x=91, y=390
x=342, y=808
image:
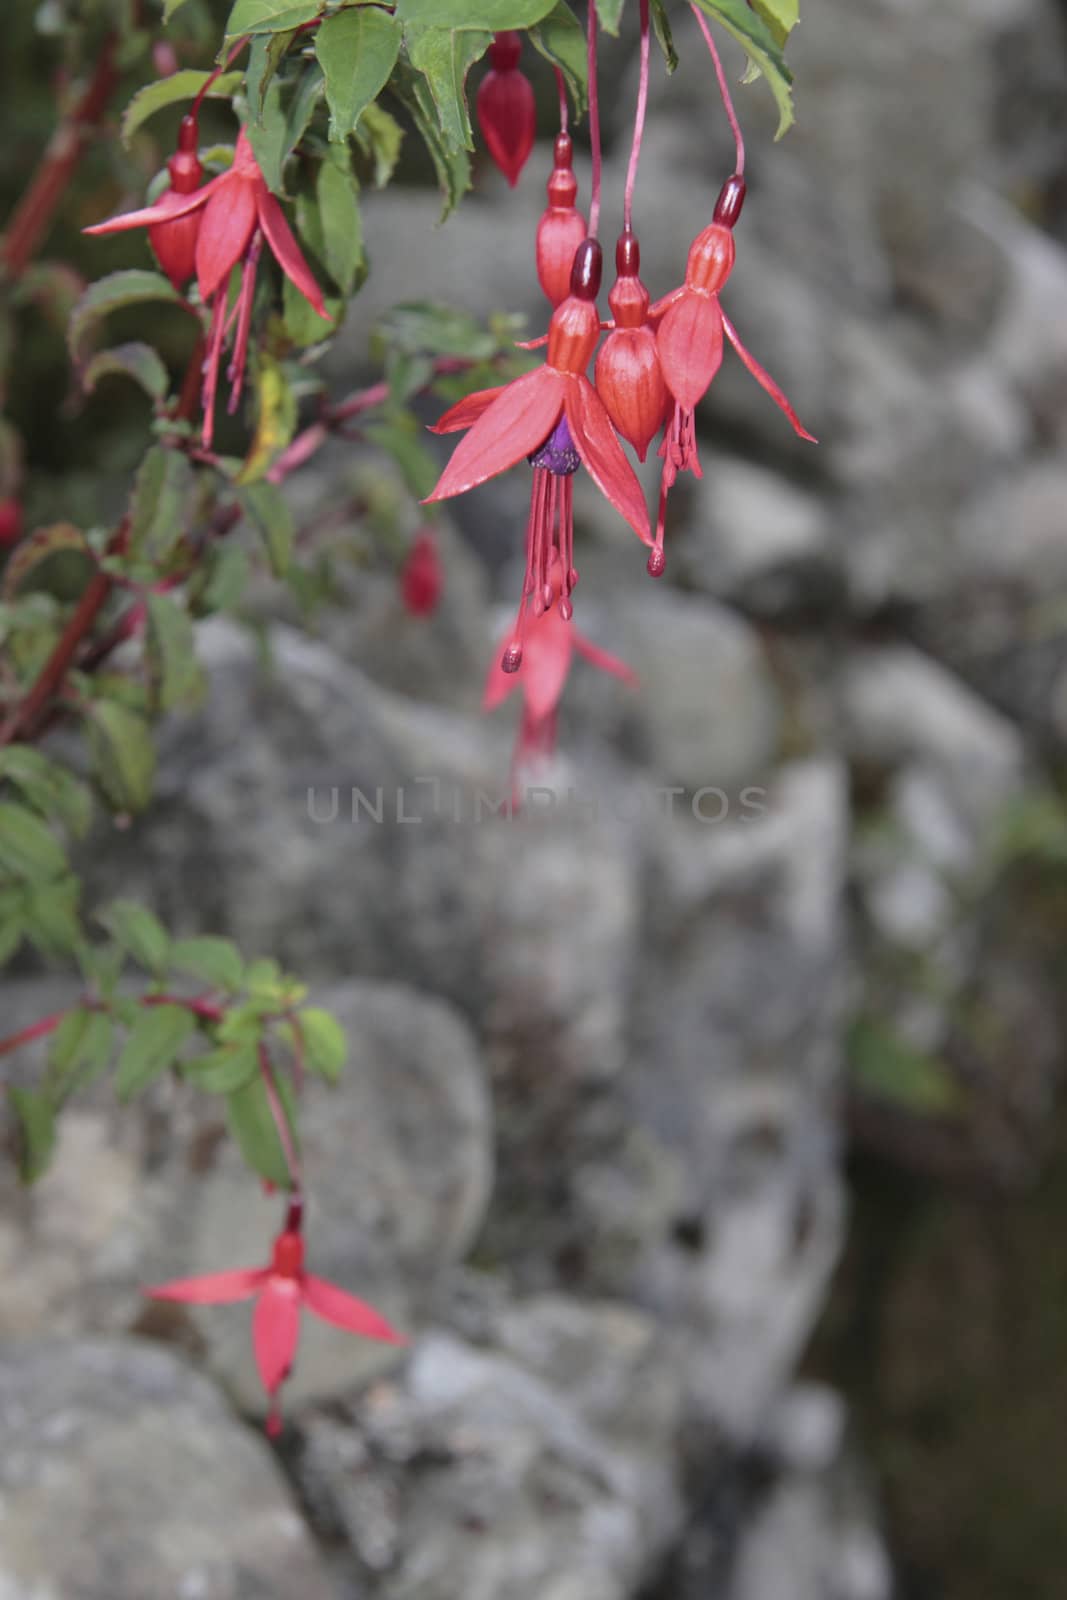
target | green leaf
x=451, y=162
x=460, y=14
x=139, y=933
x=444, y=56
x=124, y=758
x=137, y=361
x=170, y=7
x=80, y=1051
x=357, y=50
x=28, y=850
x=157, y=520
x=270, y=16
x=608, y=15
x=214, y=961
x=152, y=1046
x=252, y=1125
x=325, y=1047
x=276, y=414
x=175, y=674
x=662, y=29
x=38, y=561
x=108, y=294
x=219, y=580
x=47, y=786
x=37, y=1131
x=342, y=227
x=223, y=1071
x=886, y=1066
x=303, y=325
x=168, y=91
x=265, y=55
x=426, y=327
x=763, y=49
x=781, y=16
x=267, y=508
x=50, y=916
x=401, y=437
x=268, y=137
x=380, y=136
x=560, y=38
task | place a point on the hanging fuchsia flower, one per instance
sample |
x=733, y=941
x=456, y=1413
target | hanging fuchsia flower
x=236, y=212
x=174, y=240
x=281, y=1291
x=507, y=112
x=10, y=522
x=555, y=418
x=562, y=226
x=421, y=577
x=629, y=378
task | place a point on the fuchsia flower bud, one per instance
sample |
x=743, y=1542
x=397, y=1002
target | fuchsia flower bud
x=507, y=112
x=629, y=378
x=421, y=577
x=174, y=241
x=562, y=227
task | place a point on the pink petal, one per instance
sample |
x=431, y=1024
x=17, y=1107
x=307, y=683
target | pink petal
x=287, y=252
x=690, y=347
x=517, y=422
x=229, y=219
x=276, y=1330
x=765, y=380
x=499, y=684
x=334, y=1305
x=603, y=659
x=546, y=661
x=215, y=1288
x=465, y=412
x=602, y=456
x=165, y=210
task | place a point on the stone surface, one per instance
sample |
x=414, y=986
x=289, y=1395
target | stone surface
x=125, y=1477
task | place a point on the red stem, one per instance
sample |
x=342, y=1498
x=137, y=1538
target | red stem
x=594, y=126
x=724, y=90
x=564, y=109
x=33, y=214
x=281, y=1123
x=36, y=1030
x=217, y=74
x=639, y=123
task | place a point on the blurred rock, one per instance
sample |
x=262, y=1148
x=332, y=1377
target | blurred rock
x=125, y=1477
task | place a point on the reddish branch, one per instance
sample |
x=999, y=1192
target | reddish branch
x=203, y=1009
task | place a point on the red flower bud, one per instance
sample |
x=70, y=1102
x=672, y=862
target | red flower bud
x=175, y=242
x=507, y=113
x=421, y=577
x=629, y=378
x=561, y=228
x=10, y=523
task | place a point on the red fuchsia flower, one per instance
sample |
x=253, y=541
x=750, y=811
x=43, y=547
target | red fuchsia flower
x=561, y=228
x=421, y=577
x=690, y=342
x=10, y=523
x=281, y=1291
x=236, y=212
x=174, y=241
x=629, y=378
x=507, y=112
x=549, y=649
x=555, y=418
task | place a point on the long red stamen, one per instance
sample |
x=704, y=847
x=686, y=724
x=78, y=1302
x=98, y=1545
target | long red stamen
x=211, y=364
x=639, y=123
x=739, y=164
x=236, y=372
x=594, y=125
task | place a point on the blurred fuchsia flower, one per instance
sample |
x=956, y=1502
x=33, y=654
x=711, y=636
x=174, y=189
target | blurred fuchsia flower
x=421, y=575
x=235, y=212
x=507, y=112
x=281, y=1291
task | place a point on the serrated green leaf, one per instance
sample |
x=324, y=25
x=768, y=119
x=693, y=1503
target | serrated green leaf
x=157, y=506
x=108, y=294
x=176, y=677
x=223, y=1071
x=183, y=85
x=342, y=227
x=39, y=559
x=222, y=578
x=80, y=1051
x=303, y=325
x=444, y=56
x=265, y=55
x=270, y=16
x=212, y=960
x=459, y=14
x=50, y=916
x=252, y=1125
x=139, y=932
x=28, y=850
x=380, y=136
x=267, y=508
x=560, y=38
x=124, y=758
x=608, y=15
x=135, y=360
x=357, y=50
x=763, y=50
x=451, y=162
x=47, y=786
x=887, y=1066
x=264, y=977
x=280, y=126
x=152, y=1046
x=662, y=29
x=37, y=1131
x=325, y=1048
x=781, y=16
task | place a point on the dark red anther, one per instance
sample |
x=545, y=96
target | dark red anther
x=587, y=270
x=627, y=255
x=657, y=562
x=511, y=660
x=731, y=199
